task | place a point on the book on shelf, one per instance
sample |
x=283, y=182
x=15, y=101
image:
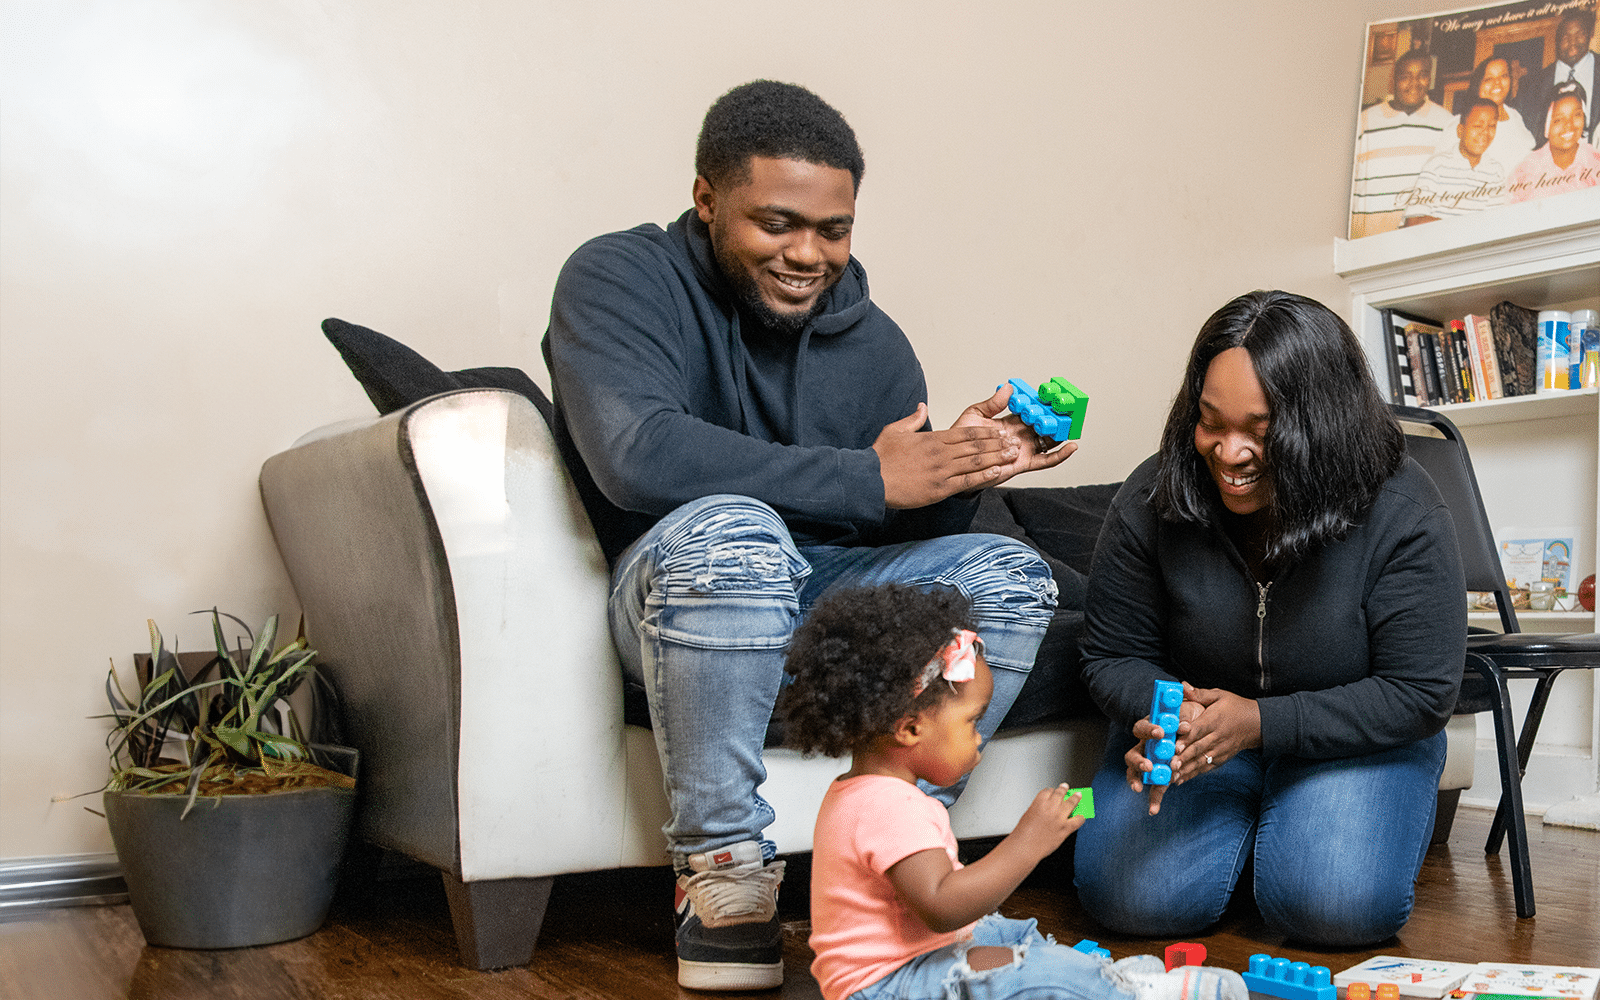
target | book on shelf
x=1418, y=977
x=1401, y=390
x=1471, y=380
x=1516, y=332
x=1471, y=372
x=1480, y=340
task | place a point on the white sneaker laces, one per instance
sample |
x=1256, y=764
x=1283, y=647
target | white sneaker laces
x=735, y=895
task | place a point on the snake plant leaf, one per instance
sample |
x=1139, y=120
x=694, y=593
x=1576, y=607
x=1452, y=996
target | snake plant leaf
x=234, y=738
x=260, y=649
x=281, y=747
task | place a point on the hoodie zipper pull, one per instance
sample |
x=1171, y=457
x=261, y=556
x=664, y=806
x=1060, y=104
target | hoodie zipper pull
x=1261, y=635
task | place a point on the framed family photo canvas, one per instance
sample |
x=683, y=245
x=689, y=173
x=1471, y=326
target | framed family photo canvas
x=1469, y=110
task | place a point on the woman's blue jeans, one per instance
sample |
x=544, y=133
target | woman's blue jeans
x=702, y=607
x=1337, y=844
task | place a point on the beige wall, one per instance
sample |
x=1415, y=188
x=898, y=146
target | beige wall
x=189, y=187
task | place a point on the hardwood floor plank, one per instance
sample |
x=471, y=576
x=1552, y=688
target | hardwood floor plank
x=608, y=935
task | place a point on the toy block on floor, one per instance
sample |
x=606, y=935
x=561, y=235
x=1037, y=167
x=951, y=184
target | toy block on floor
x=1164, y=713
x=1091, y=948
x=1085, y=806
x=1279, y=977
x=1185, y=953
x=1056, y=411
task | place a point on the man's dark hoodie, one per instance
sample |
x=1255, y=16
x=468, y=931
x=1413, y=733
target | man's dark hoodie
x=666, y=391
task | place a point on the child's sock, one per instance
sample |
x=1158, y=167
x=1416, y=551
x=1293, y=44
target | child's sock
x=1147, y=978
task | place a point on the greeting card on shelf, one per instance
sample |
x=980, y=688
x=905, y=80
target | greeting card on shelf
x=1529, y=554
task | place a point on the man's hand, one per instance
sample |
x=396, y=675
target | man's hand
x=920, y=469
x=1036, y=453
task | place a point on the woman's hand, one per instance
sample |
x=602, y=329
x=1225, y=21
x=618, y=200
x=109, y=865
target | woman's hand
x=1224, y=724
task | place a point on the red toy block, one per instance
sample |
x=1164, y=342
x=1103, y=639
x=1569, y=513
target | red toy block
x=1187, y=953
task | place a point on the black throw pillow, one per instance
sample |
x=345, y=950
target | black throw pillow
x=394, y=376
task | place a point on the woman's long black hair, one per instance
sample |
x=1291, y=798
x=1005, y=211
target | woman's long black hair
x=1331, y=439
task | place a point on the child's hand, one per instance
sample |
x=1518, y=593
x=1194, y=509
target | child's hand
x=1048, y=821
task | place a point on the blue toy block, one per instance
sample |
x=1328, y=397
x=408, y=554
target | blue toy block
x=1056, y=411
x=1091, y=948
x=1279, y=977
x=1164, y=713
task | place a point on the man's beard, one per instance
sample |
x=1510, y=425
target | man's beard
x=747, y=296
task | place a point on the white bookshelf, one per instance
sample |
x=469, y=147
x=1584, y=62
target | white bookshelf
x=1537, y=457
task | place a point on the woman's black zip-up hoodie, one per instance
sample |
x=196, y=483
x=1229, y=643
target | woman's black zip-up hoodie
x=1356, y=648
x=665, y=392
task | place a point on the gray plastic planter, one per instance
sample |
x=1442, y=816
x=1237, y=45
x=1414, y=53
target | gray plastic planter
x=239, y=871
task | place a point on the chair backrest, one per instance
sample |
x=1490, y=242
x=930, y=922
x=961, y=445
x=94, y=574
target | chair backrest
x=1443, y=455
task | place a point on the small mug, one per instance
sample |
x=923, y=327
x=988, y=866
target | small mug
x=1541, y=595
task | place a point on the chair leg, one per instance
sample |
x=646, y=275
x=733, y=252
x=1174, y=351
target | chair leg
x=1510, y=785
x=1530, y=732
x=497, y=922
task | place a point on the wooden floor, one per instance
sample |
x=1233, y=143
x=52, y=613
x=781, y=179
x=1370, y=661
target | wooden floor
x=609, y=935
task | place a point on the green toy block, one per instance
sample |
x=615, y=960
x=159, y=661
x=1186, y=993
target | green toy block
x=1068, y=400
x=1085, y=806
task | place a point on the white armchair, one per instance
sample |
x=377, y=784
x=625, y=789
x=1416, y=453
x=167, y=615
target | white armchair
x=452, y=582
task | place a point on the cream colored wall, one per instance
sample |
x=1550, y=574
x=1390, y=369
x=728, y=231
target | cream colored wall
x=189, y=187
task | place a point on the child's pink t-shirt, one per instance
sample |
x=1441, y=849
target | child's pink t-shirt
x=860, y=930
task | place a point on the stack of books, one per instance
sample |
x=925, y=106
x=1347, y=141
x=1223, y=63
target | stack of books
x=1474, y=358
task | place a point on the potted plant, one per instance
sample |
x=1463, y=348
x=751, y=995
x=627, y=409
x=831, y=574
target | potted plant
x=229, y=825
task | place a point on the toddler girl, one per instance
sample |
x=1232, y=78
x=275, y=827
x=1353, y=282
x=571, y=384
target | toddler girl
x=894, y=676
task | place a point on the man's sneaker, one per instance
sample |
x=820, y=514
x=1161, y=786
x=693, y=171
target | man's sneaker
x=727, y=916
x=1147, y=978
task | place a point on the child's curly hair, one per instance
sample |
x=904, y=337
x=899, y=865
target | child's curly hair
x=856, y=660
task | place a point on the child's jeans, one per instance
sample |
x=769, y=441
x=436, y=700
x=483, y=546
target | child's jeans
x=1040, y=970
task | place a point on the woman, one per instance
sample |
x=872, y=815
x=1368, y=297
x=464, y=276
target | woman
x=1284, y=558
x=1491, y=80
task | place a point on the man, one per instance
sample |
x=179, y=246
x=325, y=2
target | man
x=1574, y=63
x=1565, y=162
x=748, y=430
x=1393, y=141
x=1461, y=180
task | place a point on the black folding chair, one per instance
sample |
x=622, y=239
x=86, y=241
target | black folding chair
x=1495, y=657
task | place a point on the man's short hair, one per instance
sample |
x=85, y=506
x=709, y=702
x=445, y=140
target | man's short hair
x=1480, y=102
x=1583, y=16
x=1415, y=55
x=778, y=120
